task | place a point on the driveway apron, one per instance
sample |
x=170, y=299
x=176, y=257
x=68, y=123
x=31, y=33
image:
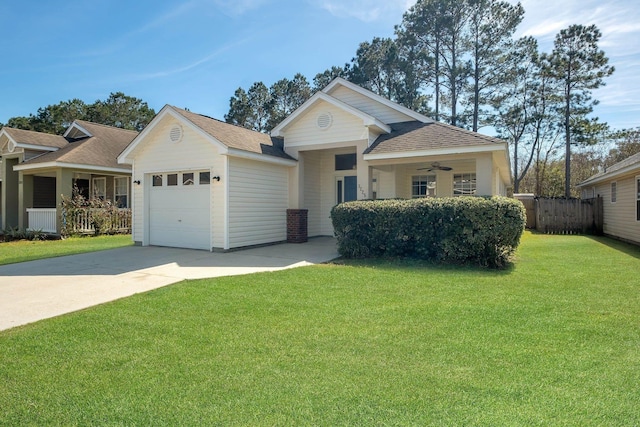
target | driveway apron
x=36, y=290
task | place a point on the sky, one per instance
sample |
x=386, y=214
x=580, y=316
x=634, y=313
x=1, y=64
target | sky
x=194, y=54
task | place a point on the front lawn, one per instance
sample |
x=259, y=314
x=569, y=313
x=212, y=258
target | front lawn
x=555, y=340
x=26, y=250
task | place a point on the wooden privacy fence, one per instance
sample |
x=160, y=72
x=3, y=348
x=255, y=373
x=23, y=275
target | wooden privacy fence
x=564, y=216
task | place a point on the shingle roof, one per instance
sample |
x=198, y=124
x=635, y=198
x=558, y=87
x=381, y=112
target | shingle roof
x=418, y=136
x=30, y=137
x=235, y=136
x=101, y=149
x=629, y=161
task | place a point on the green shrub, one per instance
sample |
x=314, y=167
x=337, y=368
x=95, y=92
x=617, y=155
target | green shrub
x=462, y=230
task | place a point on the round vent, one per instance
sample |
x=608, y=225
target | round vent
x=175, y=134
x=11, y=146
x=324, y=120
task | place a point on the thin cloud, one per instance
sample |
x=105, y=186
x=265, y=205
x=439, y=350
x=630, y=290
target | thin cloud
x=167, y=17
x=179, y=70
x=238, y=7
x=364, y=10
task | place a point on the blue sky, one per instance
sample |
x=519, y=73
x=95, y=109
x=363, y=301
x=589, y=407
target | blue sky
x=195, y=53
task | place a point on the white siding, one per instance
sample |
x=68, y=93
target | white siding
x=158, y=154
x=258, y=200
x=378, y=110
x=620, y=217
x=344, y=127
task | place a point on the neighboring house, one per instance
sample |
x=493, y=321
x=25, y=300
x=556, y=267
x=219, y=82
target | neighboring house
x=39, y=168
x=202, y=183
x=619, y=186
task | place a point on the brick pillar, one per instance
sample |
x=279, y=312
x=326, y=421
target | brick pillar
x=297, y=225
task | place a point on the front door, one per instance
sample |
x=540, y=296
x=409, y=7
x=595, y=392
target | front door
x=346, y=189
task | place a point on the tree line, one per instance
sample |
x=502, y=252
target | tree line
x=458, y=62
x=118, y=110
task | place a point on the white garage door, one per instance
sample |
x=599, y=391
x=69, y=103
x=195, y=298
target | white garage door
x=179, y=210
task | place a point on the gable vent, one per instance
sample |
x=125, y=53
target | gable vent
x=175, y=134
x=324, y=120
x=11, y=146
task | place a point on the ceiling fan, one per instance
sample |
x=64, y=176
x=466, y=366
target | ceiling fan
x=435, y=166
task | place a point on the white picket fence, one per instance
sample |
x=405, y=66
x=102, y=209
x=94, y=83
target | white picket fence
x=45, y=220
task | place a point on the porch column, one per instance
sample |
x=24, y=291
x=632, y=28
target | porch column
x=64, y=186
x=296, y=181
x=365, y=173
x=25, y=198
x=484, y=175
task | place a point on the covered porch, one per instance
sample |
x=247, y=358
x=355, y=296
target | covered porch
x=331, y=176
x=41, y=192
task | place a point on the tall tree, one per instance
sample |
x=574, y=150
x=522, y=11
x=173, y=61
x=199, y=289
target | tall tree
x=121, y=111
x=324, y=78
x=286, y=96
x=580, y=66
x=375, y=67
x=422, y=31
x=626, y=143
x=491, y=26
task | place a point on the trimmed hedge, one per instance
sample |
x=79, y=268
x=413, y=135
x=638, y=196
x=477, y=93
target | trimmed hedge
x=462, y=230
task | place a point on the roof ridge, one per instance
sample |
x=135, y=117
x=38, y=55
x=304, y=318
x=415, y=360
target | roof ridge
x=103, y=125
x=469, y=132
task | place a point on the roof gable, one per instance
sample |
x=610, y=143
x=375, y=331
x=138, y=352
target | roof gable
x=367, y=119
x=340, y=88
x=630, y=164
x=101, y=149
x=224, y=135
x=33, y=140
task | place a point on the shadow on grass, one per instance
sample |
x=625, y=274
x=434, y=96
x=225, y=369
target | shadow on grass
x=619, y=245
x=417, y=264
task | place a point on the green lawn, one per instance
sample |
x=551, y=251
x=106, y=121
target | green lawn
x=24, y=250
x=555, y=340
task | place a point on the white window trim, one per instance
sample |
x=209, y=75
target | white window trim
x=637, y=196
x=93, y=187
x=115, y=189
x=613, y=199
x=428, y=175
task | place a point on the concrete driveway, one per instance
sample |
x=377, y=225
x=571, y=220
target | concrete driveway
x=36, y=290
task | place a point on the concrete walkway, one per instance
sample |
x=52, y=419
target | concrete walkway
x=36, y=290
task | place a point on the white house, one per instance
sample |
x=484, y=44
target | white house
x=619, y=186
x=202, y=183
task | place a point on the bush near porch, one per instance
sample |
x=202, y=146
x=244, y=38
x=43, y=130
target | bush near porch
x=81, y=216
x=461, y=230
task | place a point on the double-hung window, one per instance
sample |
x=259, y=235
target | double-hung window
x=100, y=188
x=614, y=192
x=464, y=184
x=423, y=186
x=121, y=190
x=637, y=198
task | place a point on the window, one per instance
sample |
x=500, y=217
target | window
x=464, y=184
x=100, y=188
x=614, y=192
x=423, y=186
x=638, y=198
x=172, y=179
x=205, y=178
x=187, y=179
x=121, y=192
x=345, y=162
x=157, y=180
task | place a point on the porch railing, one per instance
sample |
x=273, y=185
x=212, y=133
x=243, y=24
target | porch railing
x=42, y=219
x=80, y=221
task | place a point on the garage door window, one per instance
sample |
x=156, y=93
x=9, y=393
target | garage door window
x=187, y=179
x=172, y=179
x=205, y=178
x=157, y=180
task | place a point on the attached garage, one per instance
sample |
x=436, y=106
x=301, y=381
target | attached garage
x=200, y=183
x=179, y=210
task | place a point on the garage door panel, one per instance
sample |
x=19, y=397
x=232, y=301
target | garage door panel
x=179, y=216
